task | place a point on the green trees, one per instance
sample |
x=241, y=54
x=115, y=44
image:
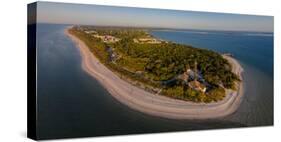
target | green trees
x=162, y=62
x=216, y=94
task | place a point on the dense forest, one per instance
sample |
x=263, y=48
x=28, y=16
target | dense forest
x=153, y=65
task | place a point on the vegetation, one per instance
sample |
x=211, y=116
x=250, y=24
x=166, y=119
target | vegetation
x=153, y=64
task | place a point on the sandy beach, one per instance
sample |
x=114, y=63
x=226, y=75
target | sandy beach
x=154, y=104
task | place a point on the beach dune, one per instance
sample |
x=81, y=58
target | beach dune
x=153, y=104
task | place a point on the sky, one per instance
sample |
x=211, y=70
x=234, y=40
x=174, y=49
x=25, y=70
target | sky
x=81, y=14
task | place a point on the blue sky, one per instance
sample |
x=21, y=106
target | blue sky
x=64, y=13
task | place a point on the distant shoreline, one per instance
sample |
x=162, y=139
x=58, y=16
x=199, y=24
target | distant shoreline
x=158, y=105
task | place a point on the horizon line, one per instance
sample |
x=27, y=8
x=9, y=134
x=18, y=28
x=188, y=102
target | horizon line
x=151, y=27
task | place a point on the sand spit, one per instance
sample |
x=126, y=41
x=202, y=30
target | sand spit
x=153, y=104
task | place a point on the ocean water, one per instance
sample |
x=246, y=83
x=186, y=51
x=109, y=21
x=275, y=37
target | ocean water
x=73, y=104
x=254, y=51
x=252, y=48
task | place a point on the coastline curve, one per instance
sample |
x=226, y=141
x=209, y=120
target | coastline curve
x=153, y=104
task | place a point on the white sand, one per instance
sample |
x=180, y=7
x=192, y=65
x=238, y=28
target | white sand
x=157, y=105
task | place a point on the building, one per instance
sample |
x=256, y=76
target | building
x=196, y=85
x=107, y=38
x=194, y=79
x=149, y=40
x=91, y=32
x=187, y=76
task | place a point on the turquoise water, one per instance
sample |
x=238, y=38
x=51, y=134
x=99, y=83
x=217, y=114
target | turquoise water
x=73, y=104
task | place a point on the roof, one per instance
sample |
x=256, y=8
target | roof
x=196, y=85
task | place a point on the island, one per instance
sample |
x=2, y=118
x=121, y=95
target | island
x=159, y=77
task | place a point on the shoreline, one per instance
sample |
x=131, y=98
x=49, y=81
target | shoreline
x=158, y=105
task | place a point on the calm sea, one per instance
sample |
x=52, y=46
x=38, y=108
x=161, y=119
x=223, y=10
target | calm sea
x=73, y=104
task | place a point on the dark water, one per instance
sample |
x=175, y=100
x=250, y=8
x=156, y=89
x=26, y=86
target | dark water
x=73, y=104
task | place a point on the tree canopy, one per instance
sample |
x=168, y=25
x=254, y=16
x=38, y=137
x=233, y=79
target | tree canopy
x=161, y=62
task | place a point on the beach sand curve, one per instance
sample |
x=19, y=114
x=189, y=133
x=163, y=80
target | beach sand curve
x=158, y=105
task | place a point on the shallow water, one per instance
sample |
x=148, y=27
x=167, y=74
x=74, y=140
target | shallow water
x=73, y=104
